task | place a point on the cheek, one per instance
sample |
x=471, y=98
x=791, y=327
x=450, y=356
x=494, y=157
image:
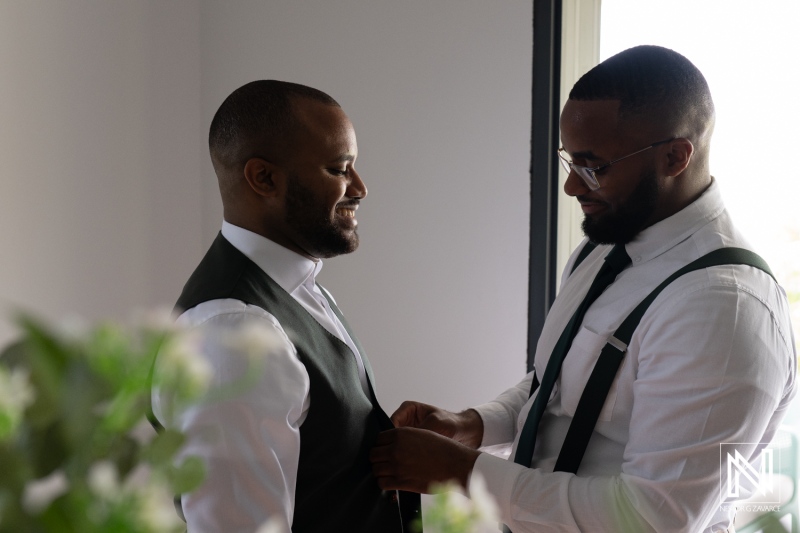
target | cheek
x=328, y=202
x=616, y=194
x=335, y=193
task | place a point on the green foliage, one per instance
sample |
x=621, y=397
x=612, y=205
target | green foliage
x=72, y=455
x=451, y=512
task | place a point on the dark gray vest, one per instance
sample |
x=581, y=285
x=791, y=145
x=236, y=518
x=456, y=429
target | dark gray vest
x=336, y=490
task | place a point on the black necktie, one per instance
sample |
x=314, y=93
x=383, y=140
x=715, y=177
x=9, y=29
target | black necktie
x=615, y=262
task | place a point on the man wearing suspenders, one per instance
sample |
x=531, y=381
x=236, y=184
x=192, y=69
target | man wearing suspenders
x=668, y=338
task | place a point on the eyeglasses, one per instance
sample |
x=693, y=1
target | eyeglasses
x=589, y=175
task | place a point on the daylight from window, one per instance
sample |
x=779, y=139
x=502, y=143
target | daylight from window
x=748, y=52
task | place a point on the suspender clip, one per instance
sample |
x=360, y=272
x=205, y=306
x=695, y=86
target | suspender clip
x=618, y=344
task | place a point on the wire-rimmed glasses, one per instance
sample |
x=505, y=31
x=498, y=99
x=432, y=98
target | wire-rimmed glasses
x=588, y=174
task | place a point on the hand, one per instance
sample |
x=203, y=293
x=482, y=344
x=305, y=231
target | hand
x=412, y=459
x=465, y=427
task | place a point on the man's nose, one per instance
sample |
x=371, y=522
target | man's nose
x=356, y=187
x=575, y=185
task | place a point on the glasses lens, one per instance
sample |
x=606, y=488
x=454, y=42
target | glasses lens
x=564, y=162
x=587, y=176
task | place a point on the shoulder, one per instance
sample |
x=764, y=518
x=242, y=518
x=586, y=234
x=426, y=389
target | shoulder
x=751, y=284
x=727, y=301
x=229, y=313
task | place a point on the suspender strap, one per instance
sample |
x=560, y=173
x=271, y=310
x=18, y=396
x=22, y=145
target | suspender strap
x=534, y=384
x=605, y=370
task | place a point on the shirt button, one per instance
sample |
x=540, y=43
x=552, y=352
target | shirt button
x=638, y=259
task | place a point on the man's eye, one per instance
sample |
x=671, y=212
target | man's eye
x=338, y=171
x=602, y=170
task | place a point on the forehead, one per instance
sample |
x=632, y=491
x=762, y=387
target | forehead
x=590, y=125
x=324, y=126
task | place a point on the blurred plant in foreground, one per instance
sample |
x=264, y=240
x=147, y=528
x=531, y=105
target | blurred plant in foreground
x=452, y=512
x=76, y=451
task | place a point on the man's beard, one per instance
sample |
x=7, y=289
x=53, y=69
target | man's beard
x=629, y=219
x=313, y=225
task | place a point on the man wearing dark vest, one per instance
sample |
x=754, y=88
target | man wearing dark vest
x=292, y=447
x=709, y=362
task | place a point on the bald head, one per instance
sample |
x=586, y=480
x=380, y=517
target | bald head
x=658, y=90
x=258, y=119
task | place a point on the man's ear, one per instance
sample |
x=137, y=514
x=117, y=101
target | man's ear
x=679, y=155
x=263, y=177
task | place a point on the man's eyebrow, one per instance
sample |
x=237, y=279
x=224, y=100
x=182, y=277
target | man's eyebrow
x=344, y=158
x=587, y=154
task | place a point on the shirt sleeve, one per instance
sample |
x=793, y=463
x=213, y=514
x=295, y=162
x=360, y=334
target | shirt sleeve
x=694, y=389
x=248, y=434
x=500, y=415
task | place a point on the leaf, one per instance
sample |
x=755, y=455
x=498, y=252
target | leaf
x=124, y=454
x=164, y=447
x=125, y=411
x=188, y=476
x=39, y=338
x=46, y=449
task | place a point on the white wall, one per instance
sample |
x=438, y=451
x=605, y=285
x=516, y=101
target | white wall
x=109, y=199
x=99, y=159
x=439, y=93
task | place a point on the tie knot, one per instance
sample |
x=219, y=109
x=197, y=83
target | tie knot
x=617, y=259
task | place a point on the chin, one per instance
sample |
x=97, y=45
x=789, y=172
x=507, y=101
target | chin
x=339, y=244
x=604, y=231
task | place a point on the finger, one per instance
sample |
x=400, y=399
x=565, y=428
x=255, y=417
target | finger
x=386, y=437
x=439, y=423
x=432, y=422
x=390, y=480
x=405, y=415
x=380, y=454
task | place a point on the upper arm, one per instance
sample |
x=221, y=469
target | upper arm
x=711, y=366
x=246, y=429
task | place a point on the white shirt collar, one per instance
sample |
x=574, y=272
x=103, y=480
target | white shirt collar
x=664, y=235
x=287, y=268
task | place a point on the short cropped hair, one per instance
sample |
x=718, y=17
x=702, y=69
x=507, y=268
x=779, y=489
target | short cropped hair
x=259, y=113
x=651, y=81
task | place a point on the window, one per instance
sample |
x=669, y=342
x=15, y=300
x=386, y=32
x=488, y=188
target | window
x=747, y=51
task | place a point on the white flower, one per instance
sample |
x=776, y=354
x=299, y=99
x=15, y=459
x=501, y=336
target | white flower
x=103, y=480
x=73, y=328
x=451, y=510
x=143, y=432
x=181, y=364
x=158, y=319
x=484, y=504
x=271, y=526
x=137, y=479
x=252, y=340
x=16, y=394
x=156, y=510
x=41, y=492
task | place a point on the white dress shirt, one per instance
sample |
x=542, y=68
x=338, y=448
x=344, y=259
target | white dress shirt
x=712, y=361
x=250, y=442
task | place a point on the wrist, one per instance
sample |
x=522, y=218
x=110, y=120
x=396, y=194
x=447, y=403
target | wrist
x=467, y=465
x=472, y=429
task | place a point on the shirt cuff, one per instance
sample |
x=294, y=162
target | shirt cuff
x=500, y=476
